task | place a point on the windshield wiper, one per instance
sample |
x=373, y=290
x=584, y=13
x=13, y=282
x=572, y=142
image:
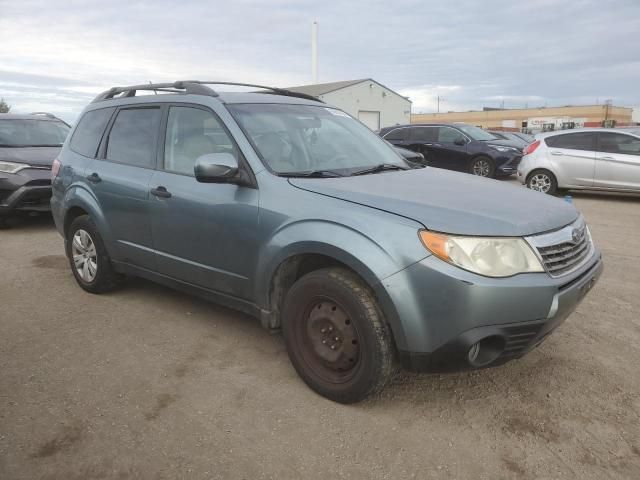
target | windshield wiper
x=380, y=168
x=311, y=174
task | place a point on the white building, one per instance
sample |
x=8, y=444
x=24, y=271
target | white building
x=369, y=101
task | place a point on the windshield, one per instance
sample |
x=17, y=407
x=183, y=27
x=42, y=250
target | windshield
x=307, y=138
x=476, y=133
x=32, y=133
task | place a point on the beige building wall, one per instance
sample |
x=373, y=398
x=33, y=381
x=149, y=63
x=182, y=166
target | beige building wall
x=587, y=116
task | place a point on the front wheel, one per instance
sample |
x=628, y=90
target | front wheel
x=336, y=335
x=542, y=181
x=483, y=167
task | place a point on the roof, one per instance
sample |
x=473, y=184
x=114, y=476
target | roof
x=317, y=89
x=19, y=116
x=630, y=130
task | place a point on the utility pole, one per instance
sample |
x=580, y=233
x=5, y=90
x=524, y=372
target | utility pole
x=438, y=97
x=314, y=51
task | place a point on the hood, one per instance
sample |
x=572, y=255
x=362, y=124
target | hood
x=36, y=156
x=450, y=202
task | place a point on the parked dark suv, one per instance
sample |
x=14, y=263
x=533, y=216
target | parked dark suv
x=457, y=146
x=28, y=145
x=281, y=206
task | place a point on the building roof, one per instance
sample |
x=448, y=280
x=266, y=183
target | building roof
x=322, y=88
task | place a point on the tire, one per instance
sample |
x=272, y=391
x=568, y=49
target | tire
x=482, y=166
x=542, y=180
x=336, y=335
x=94, y=271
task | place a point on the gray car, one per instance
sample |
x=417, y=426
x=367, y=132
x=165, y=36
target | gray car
x=28, y=145
x=605, y=159
x=292, y=211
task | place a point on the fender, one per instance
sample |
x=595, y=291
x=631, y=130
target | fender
x=367, y=257
x=79, y=196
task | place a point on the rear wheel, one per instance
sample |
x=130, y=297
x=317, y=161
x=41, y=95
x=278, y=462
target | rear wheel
x=88, y=258
x=336, y=335
x=483, y=167
x=542, y=181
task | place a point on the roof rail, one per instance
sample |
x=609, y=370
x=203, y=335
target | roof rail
x=174, y=87
x=195, y=87
x=276, y=90
x=49, y=115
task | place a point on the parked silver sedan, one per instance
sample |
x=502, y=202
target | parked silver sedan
x=589, y=158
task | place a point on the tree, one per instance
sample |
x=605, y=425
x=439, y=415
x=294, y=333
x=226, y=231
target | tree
x=4, y=106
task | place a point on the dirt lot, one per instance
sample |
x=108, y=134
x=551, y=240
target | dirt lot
x=149, y=383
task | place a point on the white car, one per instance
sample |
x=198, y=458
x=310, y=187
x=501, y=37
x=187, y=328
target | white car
x=588, y=158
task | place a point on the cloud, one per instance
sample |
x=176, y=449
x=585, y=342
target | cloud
x=56, y=55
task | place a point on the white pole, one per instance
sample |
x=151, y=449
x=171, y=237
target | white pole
x=314, y=51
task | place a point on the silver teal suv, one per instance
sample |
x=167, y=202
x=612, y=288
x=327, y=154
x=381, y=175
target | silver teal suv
x=278, y=205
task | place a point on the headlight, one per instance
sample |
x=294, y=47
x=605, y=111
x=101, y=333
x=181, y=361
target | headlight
x=502, y=148
x=9, y=167
x=489, y=256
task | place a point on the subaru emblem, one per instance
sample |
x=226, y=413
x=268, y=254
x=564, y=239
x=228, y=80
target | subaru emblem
x=576, y=235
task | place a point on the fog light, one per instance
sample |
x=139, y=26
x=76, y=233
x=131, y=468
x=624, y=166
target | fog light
x=485, y=351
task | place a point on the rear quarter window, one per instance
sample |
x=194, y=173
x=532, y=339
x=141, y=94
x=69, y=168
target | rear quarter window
x=397, y=134
x=88, y=133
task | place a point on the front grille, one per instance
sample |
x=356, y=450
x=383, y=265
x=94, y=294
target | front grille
x=564, y=250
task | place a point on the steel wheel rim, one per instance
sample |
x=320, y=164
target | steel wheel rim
x=540, y=183
x=481, y=168
x=330, y=344
x=85, y=257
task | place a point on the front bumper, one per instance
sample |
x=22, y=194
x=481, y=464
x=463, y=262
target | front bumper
x=29, y=190
x=442, y=311
x=510, y=166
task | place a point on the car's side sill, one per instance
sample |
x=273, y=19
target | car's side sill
x=210, y=295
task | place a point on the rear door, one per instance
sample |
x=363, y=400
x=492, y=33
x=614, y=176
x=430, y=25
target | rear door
x=422, y=139
x=573, y=158
x=617, y=161
x=203, y=233
x=120, y=181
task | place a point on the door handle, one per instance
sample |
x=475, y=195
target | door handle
x=555, y=152
x=160, y=192
x=94, y=178
x=606, y=158
x=428, y=144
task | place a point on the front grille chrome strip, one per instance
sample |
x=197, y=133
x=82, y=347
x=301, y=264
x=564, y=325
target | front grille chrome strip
x=565, y=250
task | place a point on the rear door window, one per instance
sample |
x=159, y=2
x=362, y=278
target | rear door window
x=573, y=141
x=88, y=133
x=133, y=137
x=619, y=143
x=424, y=134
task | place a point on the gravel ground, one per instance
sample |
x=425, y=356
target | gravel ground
x=149, y=383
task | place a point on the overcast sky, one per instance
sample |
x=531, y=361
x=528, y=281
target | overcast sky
x=56, y=55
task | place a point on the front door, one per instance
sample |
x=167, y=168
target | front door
x=204, y=233
x=120, y=181
x=617, y=161
x=450, y=149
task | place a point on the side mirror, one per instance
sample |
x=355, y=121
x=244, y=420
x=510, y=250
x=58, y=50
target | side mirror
x=460, y=141
x=216, y=168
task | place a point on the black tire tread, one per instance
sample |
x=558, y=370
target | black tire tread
x=385, y=361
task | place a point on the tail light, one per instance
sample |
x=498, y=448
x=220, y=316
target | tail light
x=55, y=168
x=529, y=149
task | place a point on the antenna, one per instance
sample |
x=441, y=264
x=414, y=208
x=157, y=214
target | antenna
x=314, y=51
